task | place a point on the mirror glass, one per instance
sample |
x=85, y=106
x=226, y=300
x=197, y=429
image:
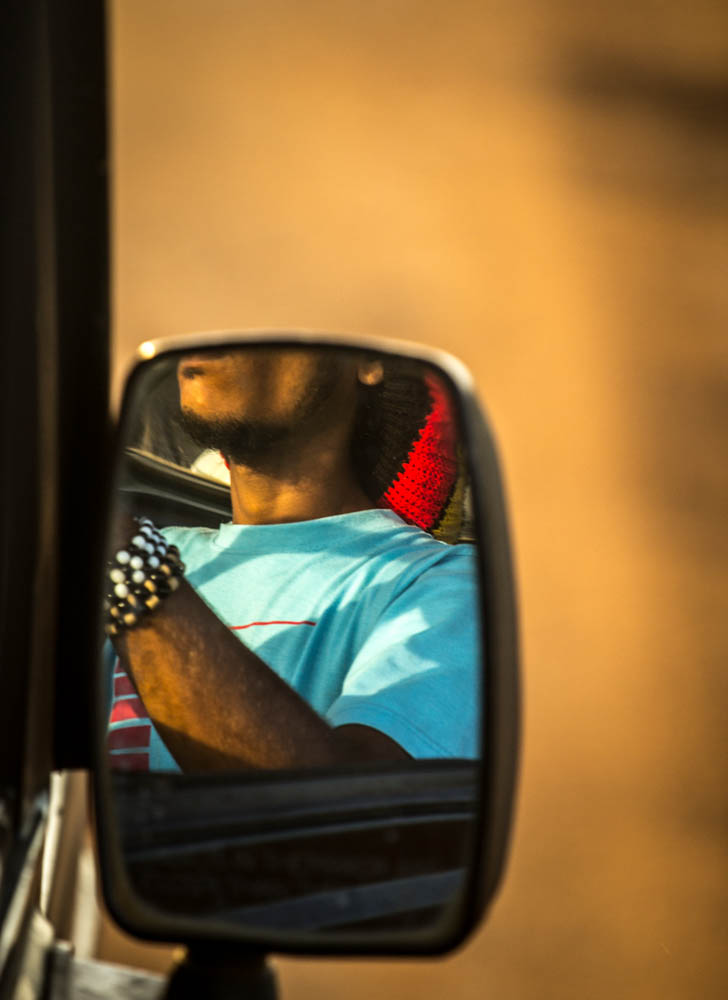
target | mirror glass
x=292, y=664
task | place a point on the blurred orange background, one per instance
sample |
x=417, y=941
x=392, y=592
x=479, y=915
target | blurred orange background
x=542, y=189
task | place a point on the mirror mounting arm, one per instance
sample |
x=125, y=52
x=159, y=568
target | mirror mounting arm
x=221, y=973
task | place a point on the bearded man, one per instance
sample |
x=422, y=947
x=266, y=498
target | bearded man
x=318, y=627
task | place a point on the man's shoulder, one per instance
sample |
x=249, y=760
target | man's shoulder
x=416, y=541
x=411, y=561
x=185, y=537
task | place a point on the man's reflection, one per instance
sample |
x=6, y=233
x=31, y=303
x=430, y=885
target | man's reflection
x=323, y=624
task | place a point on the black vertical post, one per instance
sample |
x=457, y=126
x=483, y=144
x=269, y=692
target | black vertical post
x=77, y=39
x=28, y=536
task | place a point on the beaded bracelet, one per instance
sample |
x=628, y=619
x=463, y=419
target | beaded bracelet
x=139, y=577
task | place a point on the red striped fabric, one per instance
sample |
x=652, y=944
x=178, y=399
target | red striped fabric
x=129, y=708
x=123, y=685
x=130, y=737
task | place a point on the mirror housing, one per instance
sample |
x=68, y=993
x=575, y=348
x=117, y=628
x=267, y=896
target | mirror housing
x=490, y=780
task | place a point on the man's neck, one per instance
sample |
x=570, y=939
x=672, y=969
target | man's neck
x=297, y=484
x=257, y=501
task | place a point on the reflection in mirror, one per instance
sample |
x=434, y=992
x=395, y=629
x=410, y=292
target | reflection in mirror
x=293, y=654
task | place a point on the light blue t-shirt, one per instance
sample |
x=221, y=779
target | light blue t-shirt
x=369, y=619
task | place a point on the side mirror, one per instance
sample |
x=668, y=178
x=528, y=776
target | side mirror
x=307, y=684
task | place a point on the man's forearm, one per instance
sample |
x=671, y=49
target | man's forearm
x=218, y=706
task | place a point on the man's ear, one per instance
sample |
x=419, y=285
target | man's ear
x=370, y=372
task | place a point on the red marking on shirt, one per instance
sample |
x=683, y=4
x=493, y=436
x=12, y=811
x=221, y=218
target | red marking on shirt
x=235, y=628
x=123, y=685
x=129, y=708
x=129, y=762
x=130, y=737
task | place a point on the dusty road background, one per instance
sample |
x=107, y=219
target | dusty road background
x=542, y=188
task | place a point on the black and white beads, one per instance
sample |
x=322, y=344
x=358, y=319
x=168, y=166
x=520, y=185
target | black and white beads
x=140, y=576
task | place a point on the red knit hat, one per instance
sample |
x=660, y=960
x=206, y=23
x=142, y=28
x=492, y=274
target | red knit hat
x=407, y=451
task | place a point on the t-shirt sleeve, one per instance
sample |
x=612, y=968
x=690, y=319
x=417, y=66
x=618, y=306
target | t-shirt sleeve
x=416, y=677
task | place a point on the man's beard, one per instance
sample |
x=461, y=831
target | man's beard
x=240, y=441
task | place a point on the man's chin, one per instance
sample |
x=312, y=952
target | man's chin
x=242, y=442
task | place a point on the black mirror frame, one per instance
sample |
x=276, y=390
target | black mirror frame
x=500, y=693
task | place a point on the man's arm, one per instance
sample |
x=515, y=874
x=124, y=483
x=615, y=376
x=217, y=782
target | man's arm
x=218, y=706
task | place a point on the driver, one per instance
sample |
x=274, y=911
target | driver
x=322, y=625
